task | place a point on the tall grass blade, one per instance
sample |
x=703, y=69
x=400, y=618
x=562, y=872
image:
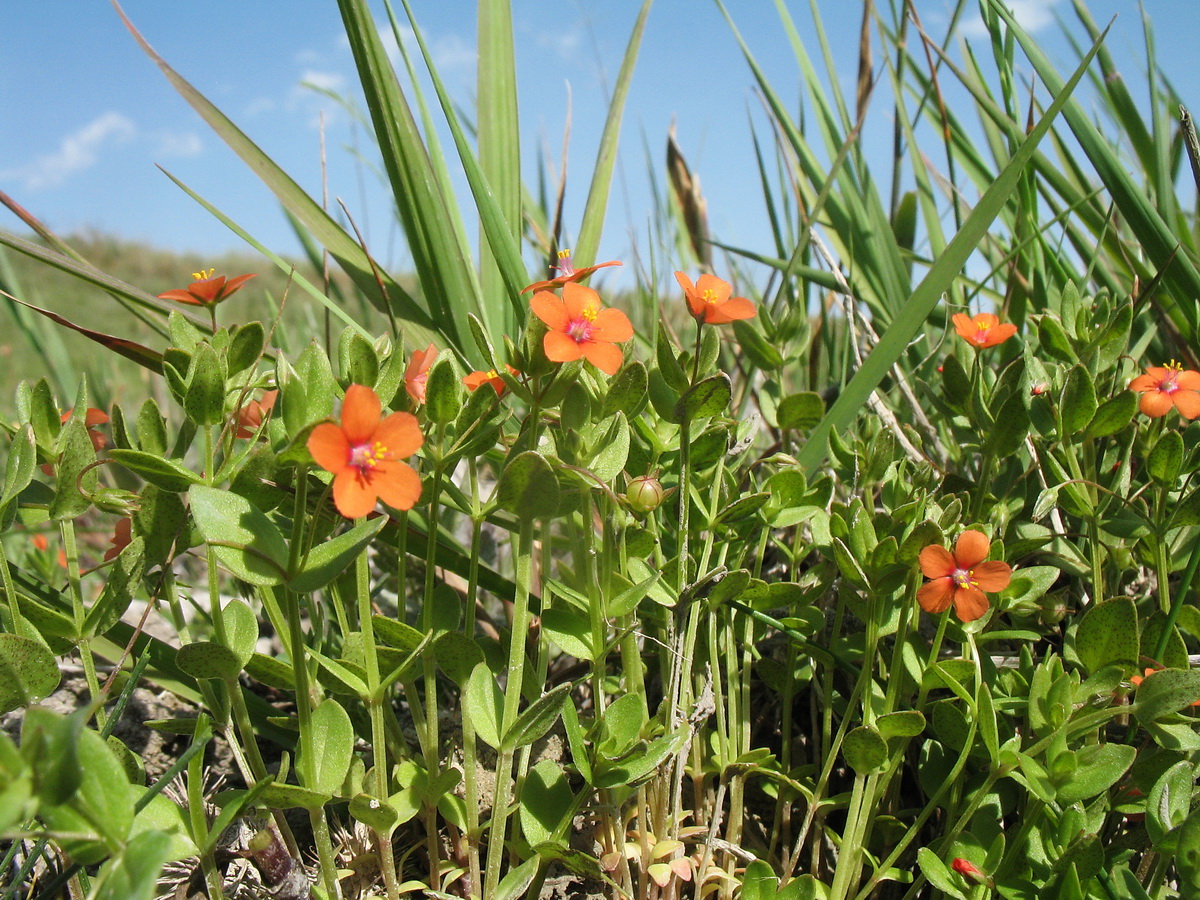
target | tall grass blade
x=940, y=277
x=592, y=226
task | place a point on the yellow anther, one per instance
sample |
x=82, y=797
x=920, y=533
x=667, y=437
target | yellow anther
x=203, y=274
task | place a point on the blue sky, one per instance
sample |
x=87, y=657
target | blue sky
x=85, y=116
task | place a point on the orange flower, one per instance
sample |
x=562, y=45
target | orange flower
x=580, y=327
x=206, y=290
x=1162, y=387
x=417, y=373
x=982, y=331
x=567, y=273
x=122, y=535
x=961, y=577
x=478, y=378
x=363, y=454
x=250, y=417
x=709, y=300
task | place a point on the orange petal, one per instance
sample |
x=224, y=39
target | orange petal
x=95, y=417
x=738, y=308
x=719, y=286
x=234, y=284
x=971, y=549
x=1188, y=403
x=934, y=596
x=992, y=576
x=180, y=296
x=329, y=447
x=1188, y=380
x=936, y=562
x=398, y=484
x=550, y=309
x=685, y=283
x=1145, y=382
x=605, y=357
x=998, y=334
x=401, y=434
x=969, y=603
x=964, y=325
x=353, y=494
x=1155, y=404
x=612, y=325
x=561, y=347
x=360, y=414
x=578, y=299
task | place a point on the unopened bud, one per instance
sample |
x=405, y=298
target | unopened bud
x=645, y=493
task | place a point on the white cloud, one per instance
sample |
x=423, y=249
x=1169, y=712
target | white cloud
x=453, y=56
x=187, y=144
x=77, y=152
x=564, y=40
x=334, y=82
x=260, y=105
x=1031, y=15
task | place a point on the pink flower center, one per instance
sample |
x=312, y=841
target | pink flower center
x=962, y=578
x=580, y=330
x=366, y=457
x=1170, y=381
x=981, y=334
x=565, y=267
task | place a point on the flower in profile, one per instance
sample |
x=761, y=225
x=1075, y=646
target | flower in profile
x=709, y=300
x=970, y=871
x=566, y=273
x=122, y=535
x=960, y=578
x=478, y=378
x=206, y=290
x=983, y=330
x=250, y=417
x=1163, y=387
x=417, y=373
x=364, y=454
x=580, y=327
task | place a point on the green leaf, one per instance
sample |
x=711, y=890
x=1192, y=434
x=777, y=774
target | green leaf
x=1078, y=403
x=908, y=723
x=1054, y=340
x=800, y=411
x=328, y=559
x=1166, y=458
x=28, y=672
x=537, y=718
x=1098, y=767
x=290, y=796
x=528, y=486
x=1108, y=635
x=757, y=348
x=204, y=401
x=1113, y=415
x=1012, y=426
x=245, y=347
x=443, y=392
x=570, y=632
x=166, y=474
x=937, y=873
x=134, y=874
x=241, y=536
x=706, y=398
x=612, y=450
x=208, y=659
x=19, y=467
x=484, y=704
x=865, y=750
x=1166, y=691
x=545, y=802
x=73, y=478
x=333, y=746
x=357, y=359
x=621, y=725
x=1169, y=801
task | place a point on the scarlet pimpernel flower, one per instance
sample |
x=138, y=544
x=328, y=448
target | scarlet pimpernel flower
x=206, y=289
x=581, y=327
x=983, y=330
x=709, y=300
x=364, y=454
x=566, y=273
x=416, y=375
x=960, y=578
x=1164, y=387
x=122, y=535
x=479, y=378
